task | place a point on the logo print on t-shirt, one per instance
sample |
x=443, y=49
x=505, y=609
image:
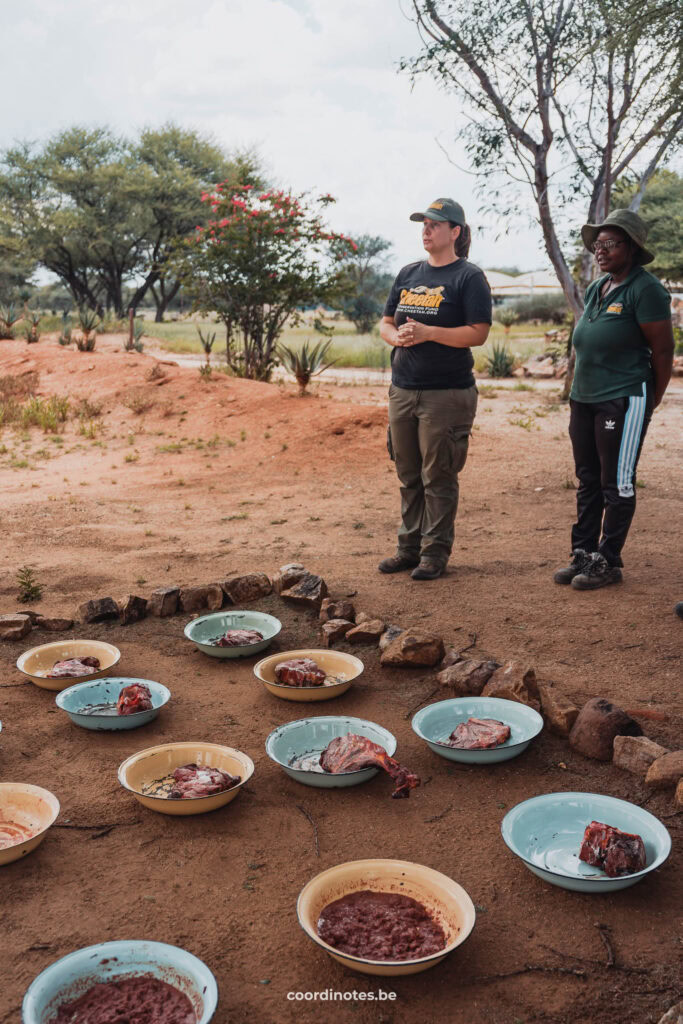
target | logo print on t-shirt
x=422, y=296
x=616, y=307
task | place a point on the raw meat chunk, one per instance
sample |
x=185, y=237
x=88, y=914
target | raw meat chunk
x=193, y=781
x=299, y=672
x=616, y=852
x=479, y=734
x=134, y=698
x=73, y=667
x=239, y=638
x=351, y=753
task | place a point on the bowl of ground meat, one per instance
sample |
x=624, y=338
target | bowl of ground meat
x=233, y=634
x=477, y=730
x=125, y=980
x=385, y=917
x=113, y=703
x=586, y=842
x=185, y=778
x=26, y=814
x=60, y=664
x=308, y=674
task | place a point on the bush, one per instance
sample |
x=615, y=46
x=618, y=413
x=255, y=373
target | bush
x=678, y=341
x=552, y=307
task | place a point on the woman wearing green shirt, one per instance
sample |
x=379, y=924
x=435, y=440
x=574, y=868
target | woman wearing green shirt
x=624, y=353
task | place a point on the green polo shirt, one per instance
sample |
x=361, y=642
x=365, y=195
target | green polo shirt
x=612, y=353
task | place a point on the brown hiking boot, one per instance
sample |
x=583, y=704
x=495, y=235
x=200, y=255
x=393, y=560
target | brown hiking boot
x=427, y=570
x=398, y=563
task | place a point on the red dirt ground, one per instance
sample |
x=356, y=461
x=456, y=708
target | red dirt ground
x=224, y=476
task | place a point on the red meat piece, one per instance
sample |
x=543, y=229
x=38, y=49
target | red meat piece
x=239, y=638
x=616, y=852
x=351, y=753
x=479, y=734
x=193, y=781
x=299, y=672
x=74, y=667
x=134, y=698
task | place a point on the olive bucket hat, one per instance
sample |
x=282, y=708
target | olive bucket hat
x=630, y=222
x=443, y=209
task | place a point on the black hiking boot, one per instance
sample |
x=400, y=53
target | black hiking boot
x=598, y=573
x=580, y=560
x=398, y=563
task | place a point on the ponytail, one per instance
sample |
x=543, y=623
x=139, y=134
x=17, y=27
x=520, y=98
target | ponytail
x=463, y=241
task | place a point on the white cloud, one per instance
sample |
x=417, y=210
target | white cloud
x=314, y=87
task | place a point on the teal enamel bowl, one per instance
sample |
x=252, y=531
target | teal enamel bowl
x=545, y=832
x=72, y=976
x=76, y=701
x=206, y=628
x=312, y=735
x=436, y=722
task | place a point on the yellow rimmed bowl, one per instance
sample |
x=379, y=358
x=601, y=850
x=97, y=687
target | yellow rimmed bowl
x=141, y=770
x=37, y=662
x=345, y=667
x=25, y=810
x=447, y=902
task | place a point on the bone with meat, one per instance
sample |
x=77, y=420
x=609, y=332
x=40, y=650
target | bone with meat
x=193, y=781
x=479, y=734
x=239, y=638
x=134, y=698
x=616, y=852
x=352, y=753
x=72, y=667
x=299, y=672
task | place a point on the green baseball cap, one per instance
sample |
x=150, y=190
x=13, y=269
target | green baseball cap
x=634, y=226
x=443, y=209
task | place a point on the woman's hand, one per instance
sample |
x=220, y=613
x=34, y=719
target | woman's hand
x=413, y=333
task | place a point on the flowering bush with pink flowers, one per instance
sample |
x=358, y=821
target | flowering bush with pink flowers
x=259, y=260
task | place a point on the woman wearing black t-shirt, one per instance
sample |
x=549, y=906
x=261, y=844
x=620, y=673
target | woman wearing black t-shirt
x=438, y=309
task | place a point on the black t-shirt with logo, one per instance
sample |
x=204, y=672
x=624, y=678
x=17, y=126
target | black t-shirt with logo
x=451, y=296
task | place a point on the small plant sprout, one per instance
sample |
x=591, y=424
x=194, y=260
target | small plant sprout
x=306, y=362
x=207, y=340
x=29, y=588
x=31, y=329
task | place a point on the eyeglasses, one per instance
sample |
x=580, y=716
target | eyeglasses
x=606, y=246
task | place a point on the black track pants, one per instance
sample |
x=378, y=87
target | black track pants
x=607, y=438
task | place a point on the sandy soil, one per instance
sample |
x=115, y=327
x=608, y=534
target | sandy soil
x=218, y=476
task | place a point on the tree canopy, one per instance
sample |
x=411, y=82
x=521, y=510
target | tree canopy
x=662, y=209
x=366, y=282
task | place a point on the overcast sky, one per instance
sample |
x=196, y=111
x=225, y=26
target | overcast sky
x=312, y=85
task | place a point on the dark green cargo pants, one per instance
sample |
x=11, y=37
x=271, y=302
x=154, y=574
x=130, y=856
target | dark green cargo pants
x=428, y=436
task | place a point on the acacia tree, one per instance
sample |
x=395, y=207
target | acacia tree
x=563, y=97
x=368, y=284
x=260, y=260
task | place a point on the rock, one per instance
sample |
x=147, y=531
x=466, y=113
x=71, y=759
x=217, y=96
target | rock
x=33, y=616
x=163, y=602
x=309, y=592
x=14, y=627
x=636, y=753
x=215, y=598
x=678, y=799
x=666, y=771
x=677, y=368
x=413, y=647
x=512, y=681
x=52, y=625
x=367, y=632
x=597, y=723
x=194, y=599
x=330, y=609
x=132, y=609
x=467, y=677
x=333, y=630
x=559, y=712
x=452, y=657
x=388, y=636
x=242, y=590
x=674, y=1015
x=98, y=610
x=362, y=617
x=538, y=366
x=287, y=576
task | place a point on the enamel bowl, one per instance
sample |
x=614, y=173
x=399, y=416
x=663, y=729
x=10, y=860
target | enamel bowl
x=447, y=902
x=312, y=735
x=345, y=667
x=37, y=662
x=545, y=832
x=78, y=698
x=25, y=811
x=141, y=770
x=208, y=627
x=74, y=974
x=436, y=722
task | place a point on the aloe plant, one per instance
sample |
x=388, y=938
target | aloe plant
x=134, y=342
x=305, y=362
x=207, y=341
x=501, y=361
x=31, y=330
x=89, y=322
x=65, y=334
x=9, y=316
